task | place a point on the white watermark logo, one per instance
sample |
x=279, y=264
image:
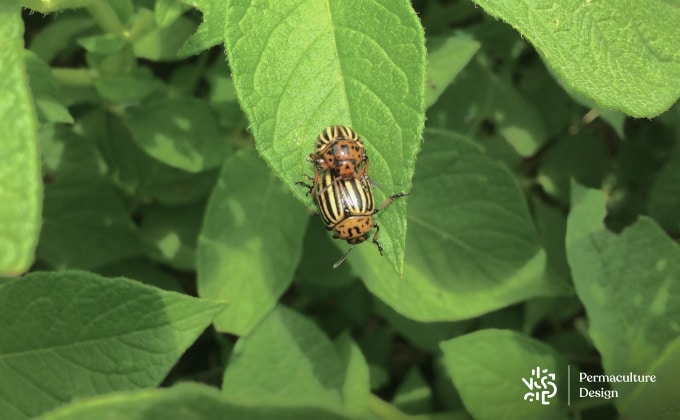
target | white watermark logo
x=541, y=386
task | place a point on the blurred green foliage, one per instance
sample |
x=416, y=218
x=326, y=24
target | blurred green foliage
x=148, y=163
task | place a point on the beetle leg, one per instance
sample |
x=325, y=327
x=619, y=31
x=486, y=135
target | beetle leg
x=375, y=239
x=304, y=184
x=342, y=259
x=315, y=180
x=370, y=180
x=362, y=169
x=390, y=199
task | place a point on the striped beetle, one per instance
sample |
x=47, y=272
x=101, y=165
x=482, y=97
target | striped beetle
x=347, y=207
x=339, y=148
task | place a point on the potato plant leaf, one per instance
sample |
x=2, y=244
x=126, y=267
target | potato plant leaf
x=446, y=58
x=186, y=401
x=479, y=369
x=250, y=242
x=300, y=66
x=85, y=221
x=84, y=345
x=287, y=358
x=489, y=101
x=628, y=285
x=45, y=91
x=657, y=399
x=180, y=132
x=467, y=213
x=20, y=180
x=211, y=30
x=664, y=195
x=622, y=53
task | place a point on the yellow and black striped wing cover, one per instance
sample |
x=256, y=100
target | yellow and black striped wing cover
x=339, y=198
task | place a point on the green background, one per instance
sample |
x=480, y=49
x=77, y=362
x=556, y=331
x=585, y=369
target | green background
x=157, y=258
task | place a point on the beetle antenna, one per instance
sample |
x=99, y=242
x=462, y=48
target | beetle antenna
x=342, y=259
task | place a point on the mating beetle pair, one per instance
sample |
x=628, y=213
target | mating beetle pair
x=342, y=189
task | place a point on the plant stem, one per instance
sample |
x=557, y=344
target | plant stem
x=75, y=77
x=141, y=25
x=106, y=17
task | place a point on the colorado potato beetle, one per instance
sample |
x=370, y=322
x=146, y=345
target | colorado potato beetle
x=339, y=148
x=347, y=207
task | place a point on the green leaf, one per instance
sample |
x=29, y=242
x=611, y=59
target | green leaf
x=557, y=109
x=627, y=283
x=129, y=88
x=517, y=119
x=639, y=162
x=144, y=271
x=554, y=310
x=319, y=253
x=94, y=223
x=20, y=178
x=355, y=388
x=59, y=36
x=472, y=245
x=97, y=335
x=355, y=304
x=446, y=58
x=250, y=242
x=186, y=401
x=380, y=377
x=444, y=391
x=441, y=17
x=338, y=68
x=77, y=86
x=491, y=104
x=86, y=223
x=414, y=395
x=180, y=132
x=168, y=11
x=316, y=373
x=479, y=370
x=171, y=232
x=582, y=157
x=125, y=10
x=136, y=172
x=622, y=53
x=163, y=43
x=425, y=336
x=378, y=348
x=174, y=187
x=45, y=91
x=551, y=223
x=103, y=44
x=211, y=31
x=664, y=195
x=659, y=399
x=223, y=99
